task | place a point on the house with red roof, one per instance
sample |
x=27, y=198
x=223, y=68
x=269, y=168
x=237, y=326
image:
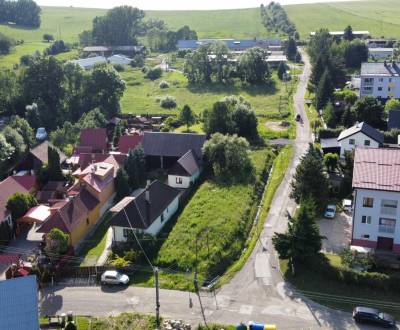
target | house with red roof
x=92, y=140
x=376, y=184
x=10, y=186
x=127, y=142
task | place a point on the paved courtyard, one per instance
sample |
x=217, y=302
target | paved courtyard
x=337, y=232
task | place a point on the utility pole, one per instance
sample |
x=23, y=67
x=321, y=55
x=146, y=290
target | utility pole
x=196, y=287
x=157, y=297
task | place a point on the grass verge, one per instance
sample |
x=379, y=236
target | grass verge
x=338, y=294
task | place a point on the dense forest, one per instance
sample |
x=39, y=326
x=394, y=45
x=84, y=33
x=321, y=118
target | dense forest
x=20, y=12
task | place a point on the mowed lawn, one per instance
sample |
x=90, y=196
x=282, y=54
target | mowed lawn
x=380, y=18
x=142, y=95
x=222, y=217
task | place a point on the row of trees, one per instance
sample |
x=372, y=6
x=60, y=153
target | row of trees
x=214, y=62
x=231, y=115
x=60, y=92
x=274, y=18
x=21, y=12
x=330, y=57
x=124, y=25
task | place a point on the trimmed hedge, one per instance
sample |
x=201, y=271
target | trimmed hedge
x=327, y=133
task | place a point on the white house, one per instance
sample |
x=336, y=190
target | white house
x=185, y=171
x=380, y=80
x=376, y=184
x=361, y=135
x=119, y=59
x=380, y=53
x=146, y=213
x=90, y=62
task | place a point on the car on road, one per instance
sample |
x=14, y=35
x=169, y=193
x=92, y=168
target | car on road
x=373, y=316
x=298, y=117
x=330, y=211
x=114, y=277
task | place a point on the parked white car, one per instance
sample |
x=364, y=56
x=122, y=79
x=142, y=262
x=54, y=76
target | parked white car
x=115, y=278
x=330, y=211
x=347, y=205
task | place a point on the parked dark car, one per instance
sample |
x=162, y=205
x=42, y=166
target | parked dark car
x=298, y=117
x=373, y=316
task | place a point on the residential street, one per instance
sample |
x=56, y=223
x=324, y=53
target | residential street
x=256, y=293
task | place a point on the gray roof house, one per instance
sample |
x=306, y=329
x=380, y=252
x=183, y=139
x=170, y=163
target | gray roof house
x=185, y=171
x=148, y=212
x=164, y=149
x=233, y=44
x=359, y=135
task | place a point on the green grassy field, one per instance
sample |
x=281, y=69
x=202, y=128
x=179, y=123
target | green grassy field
x=380, y=18
x=221, y=224
x=141, y=94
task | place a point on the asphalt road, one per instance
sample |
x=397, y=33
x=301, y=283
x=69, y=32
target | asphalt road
x=257, y=292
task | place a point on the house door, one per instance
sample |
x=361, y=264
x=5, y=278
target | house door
x=385, y=243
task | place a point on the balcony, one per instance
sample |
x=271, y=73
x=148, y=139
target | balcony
x=386, y=229
x=388, y=210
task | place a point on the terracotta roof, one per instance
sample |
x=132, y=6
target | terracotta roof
x=86, y=159
x=142, y=214
x=377, y=168
x=10, y=186
x=127, y=142
x=172, y=144
x=82, y=149
x=95, y=138
x=41, y=152
x=97, y=183
x=187, y=165
x=71, y=214
x=364, y=128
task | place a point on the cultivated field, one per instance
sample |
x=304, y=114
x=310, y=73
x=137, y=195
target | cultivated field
x=380, y=18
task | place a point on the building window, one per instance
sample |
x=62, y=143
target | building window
x=379, y=89
x=380, y=79
x=167, y=210
x=368, y=202
x=125, y=232
x=389, y=89
x=390, y=79
x=178, y=180
x=367, y=143
x=352, y=142
x=369, y=81
x=162, y=217
x=365, y=236
x=389, y=207
x=366, y=219
x=387, y=225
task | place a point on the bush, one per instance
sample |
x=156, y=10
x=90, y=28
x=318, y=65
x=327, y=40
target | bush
x=137, y=61
x=163, y=84
x=119, y=262
x=391, y=136
x=168, y=102
x=119, y=67
x=154, y=73
x=181, y=53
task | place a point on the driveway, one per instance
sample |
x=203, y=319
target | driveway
x=337, y=232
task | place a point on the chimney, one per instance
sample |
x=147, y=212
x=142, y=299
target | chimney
x=385, y=63
x=357, y=124
x=147, y=196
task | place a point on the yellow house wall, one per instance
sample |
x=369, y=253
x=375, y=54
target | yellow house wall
x=83, y=227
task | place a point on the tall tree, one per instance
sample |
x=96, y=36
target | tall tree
x=121, y=185
x=219, y=119
x=6, y=150
x=187, y=116
x=356, y=52
x=229, y=158
x=291, y=49
x=324, y=90
x=320, y=44
x=329, y=115
x=120, y=26
x=369, y=109
x=348, y=33
x=246, y=122
x=302, y=241
x=54, y=166
x=310, y=180
x=19, y=203
x=221, y=55
x=281, y=70
x=252, y=66
x=197, y=67
x=392, y=105
x=135, y=167
x=16, y=140
x=22, y=126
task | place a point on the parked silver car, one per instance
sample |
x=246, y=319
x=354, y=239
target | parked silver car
x=114, y=278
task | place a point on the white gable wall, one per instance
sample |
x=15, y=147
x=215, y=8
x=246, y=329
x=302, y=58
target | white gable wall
x=178, y=181
x=119, y=233
x=359, y=141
